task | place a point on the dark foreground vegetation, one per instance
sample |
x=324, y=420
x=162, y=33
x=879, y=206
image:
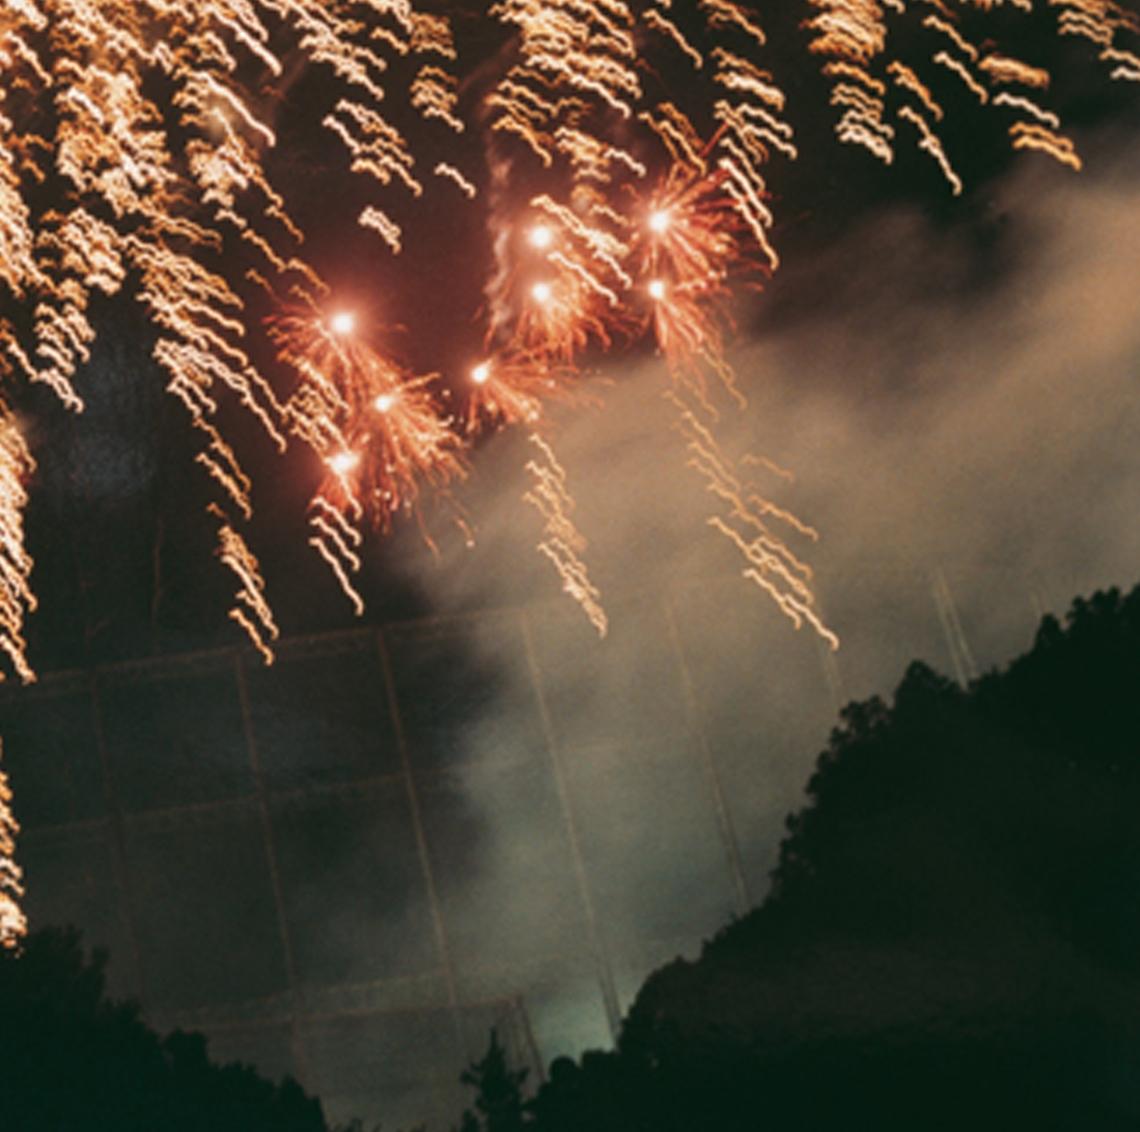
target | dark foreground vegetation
x=952, y=937
x=951, y=942
x=72, y=1060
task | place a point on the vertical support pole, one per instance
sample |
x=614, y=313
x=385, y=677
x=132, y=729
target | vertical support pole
x=1038, y=599
x=118, y=830
x=965, y=667
x=296, y=1036
x=597, y=947
x=438, y=928
x=712, y=773
x=528, y=1037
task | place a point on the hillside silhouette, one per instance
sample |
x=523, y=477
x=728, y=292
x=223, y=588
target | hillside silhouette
x=952, y=936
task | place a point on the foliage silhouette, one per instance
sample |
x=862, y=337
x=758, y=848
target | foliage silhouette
x=951, y=936
x=498, y=1092
x=72, y=1060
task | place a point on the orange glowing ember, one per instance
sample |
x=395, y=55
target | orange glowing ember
x=540, y=237
x=344, y=463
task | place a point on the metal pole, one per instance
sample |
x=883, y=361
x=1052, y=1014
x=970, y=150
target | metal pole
x=438, y=927
x=117, y=826
x=528, y=1037
x=965, y=667
x=296, y=1036
x=601, y=959
x=712, y=772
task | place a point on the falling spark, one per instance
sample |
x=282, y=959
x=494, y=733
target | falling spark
x=443, y=169
x=13, y=923
x=663, y=24
x=772, y=565
x=252, y=611
x=562, y=543
x=1031, y=135
x=1028, y=106
x=136, y=146
x=16, y=597
x=933, y=146
x=1002, y=69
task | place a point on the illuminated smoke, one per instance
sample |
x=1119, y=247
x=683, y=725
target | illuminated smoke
x=652, y=215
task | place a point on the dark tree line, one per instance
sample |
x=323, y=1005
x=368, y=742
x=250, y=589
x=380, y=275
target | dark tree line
x=951, y=942
x=951, y=939
x=73, y=1060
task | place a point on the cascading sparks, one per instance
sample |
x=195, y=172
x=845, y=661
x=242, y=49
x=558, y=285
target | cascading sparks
x=562, y=543
x=16, y=597
x=13, y=923
x=137, y=145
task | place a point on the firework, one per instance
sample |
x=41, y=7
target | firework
x=378, y=430
x=351, y=398
x=16, y=597
x=141, y=146
x=13, y=924
x=562, y=543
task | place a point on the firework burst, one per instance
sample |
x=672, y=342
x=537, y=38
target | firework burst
x=140, y=151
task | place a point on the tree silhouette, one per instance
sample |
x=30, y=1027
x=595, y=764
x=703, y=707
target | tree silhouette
x=498, y=1092
x=72, y=1060
x=952, y=936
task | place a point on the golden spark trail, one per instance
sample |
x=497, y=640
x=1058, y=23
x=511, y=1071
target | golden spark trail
x=252, y=612
x=933, y=146
x=658, y=22
x=1028, y=106
x=1002, y=69
x=434, y=96
x=562, y=543
x=13, y=922
x=772, y=565
x=952, y=33
x=907, y=79
x=727, y=14
x=140, y=158
x=332, y=539
x=1030, y=135
x=443, y=169
x=16, y=597
x=945, y=59
x=1129, y=69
